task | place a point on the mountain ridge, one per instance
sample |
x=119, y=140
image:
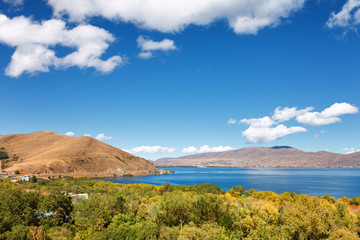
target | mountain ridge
x=277, y=156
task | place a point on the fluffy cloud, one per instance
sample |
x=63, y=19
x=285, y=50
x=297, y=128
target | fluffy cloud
x=262, y=130
x=151, y=149
x=87, y=135
x=264, y=122
x=33, y=42
x=285, y=114
x=190, y=149
x=231, y=121
x=148, y=46
x=103, y=137
x=328, y=116
x=30, y=58
x=269, y=134
x=244, y=17
x=350, y=150
x=206, y=148
x=69, y=134
x=347, y=17
x=316, y=119
x=145, y=55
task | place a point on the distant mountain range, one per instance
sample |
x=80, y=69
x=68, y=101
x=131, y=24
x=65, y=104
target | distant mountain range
x=48, y=153
x=277, y=156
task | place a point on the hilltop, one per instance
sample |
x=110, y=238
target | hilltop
x=277, y=156
x=48, y=153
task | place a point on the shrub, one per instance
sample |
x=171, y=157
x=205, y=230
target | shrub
x=3, y=155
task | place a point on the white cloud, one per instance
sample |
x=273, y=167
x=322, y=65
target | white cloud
x=259, y=122
x=14, y=2
x=316, y=119
x=87, y=135
x=145, y=55
x=33, y=42
x=148, y=46
x=103, y=137
x=30, y=58
x=244, y=17
x=231, y=121
x=262, y=130
x=327, y=116
x=190, y=149
x=347, y=17
x=285, y=114
x=206, y=148
x=69, y=134
x=151, y=149
x=350, y=150
x=269, y=134
x=338, y=109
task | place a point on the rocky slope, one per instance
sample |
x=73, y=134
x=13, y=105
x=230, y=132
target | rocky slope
x=265, y=157
x=48, y=153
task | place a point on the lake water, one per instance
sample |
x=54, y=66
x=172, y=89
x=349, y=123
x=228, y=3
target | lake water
x=313, y=181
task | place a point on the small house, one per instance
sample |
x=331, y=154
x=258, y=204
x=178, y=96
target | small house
x=78, y=197
x=25, y=178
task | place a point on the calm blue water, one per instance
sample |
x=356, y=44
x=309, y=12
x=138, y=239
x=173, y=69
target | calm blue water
x=335, y=182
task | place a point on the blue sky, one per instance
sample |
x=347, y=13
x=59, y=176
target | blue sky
x=196, y=70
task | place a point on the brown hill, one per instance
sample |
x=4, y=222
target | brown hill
x=265, y=157
x=49, y=153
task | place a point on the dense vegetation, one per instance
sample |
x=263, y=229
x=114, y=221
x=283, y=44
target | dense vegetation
x=43, y=209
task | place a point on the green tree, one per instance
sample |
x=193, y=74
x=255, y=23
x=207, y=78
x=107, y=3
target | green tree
x=33, y=179
x=96, y=212
x=19, y=232
x=55, y=209
x=206, y=208
x=237, y=191
x=175, y=209
x=17, y=207
x=129, y=226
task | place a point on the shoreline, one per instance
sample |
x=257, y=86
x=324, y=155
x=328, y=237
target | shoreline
x=289, y=167
x=93, y=175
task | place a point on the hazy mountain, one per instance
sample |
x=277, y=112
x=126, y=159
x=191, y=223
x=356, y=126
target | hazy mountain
x=278, y=156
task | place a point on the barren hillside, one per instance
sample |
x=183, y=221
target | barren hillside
x=49, y=153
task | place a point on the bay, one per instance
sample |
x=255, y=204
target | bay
x=336, y=182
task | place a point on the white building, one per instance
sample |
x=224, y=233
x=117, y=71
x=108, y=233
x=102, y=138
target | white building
x=25, y=178
x=78, y=197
